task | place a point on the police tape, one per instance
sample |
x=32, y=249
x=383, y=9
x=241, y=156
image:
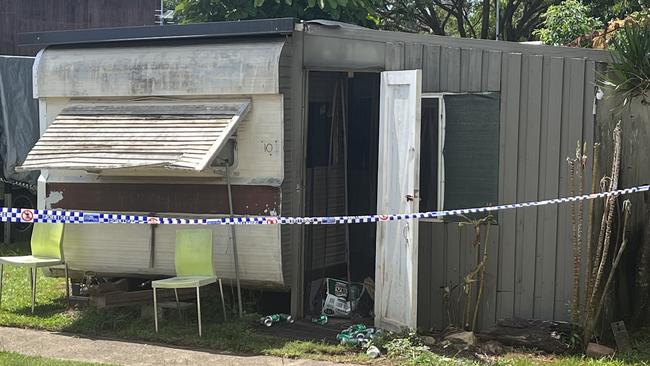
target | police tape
x=82, y=217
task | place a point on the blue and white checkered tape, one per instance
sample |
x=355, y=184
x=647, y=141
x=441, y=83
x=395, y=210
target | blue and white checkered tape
x=82, y=217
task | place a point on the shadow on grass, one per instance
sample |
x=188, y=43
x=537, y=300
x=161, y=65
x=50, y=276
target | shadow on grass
x=235, y=336
x=43, y=310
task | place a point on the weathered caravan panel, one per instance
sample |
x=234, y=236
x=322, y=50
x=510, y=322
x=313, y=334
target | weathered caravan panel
x=154, y=86
x=170, y=70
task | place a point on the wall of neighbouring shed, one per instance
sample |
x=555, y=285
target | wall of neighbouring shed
x=546, y=107
x=546, y=96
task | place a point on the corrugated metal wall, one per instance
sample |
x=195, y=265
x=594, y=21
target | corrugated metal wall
x=546, y=107
x=290, y=174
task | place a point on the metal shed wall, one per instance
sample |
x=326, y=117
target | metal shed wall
x=546, y=107
x=547, y=96
x=291, y=88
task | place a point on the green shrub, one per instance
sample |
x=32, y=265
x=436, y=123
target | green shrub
x=566, y=22
x=630, y=73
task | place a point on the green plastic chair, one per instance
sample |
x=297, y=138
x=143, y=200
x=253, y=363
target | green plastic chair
x=194, y=268
x=47, y=251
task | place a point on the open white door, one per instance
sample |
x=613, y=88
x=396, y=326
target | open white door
x=396, y=267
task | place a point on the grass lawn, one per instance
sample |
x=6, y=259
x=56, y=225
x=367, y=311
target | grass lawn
x=15, y=359
x=237, y=336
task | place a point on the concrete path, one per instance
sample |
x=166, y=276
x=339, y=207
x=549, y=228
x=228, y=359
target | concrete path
x=64, y=346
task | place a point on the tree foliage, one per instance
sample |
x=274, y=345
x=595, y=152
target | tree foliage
x=565, y=22
x=351, y=11
x=630, y=72
x=606, y=10
x=465, y=18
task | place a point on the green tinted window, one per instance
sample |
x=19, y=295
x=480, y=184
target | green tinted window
x=471, y=150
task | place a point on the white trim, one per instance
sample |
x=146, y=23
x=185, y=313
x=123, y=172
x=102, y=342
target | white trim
x=396, y=267
x=228, y=133
x=35, y=66
x=442, y=127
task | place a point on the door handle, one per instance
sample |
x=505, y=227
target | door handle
x=411, y=197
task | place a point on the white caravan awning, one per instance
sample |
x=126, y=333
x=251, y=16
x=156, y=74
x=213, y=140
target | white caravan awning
x=100, y=136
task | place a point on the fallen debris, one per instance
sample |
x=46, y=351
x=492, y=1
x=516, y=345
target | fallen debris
x=492, y=348
x=429, y=340
x=342, y=298
x=621, y=336
x=548, y=336
x=321, y=320
x=464, y=338
x=99, y=289
x=373, y=352
x=275, y=318
x=595, y=350
x=127, y=298
x=357, y=334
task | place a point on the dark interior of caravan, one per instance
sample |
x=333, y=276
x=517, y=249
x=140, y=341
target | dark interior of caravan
x=341, y=178
x=341, y=172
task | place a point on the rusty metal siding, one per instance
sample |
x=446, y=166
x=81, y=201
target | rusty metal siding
x=163, y=198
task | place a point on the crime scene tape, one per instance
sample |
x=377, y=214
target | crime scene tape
x=82, y=217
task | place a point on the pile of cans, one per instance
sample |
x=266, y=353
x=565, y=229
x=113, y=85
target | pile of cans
x=275, y=318
x=355, y=335
x=321, y=320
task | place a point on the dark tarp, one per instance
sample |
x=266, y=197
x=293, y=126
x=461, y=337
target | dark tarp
x=18, y=116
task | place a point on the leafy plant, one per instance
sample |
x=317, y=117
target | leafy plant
x=630, y=73
x=565, y=22
x=405, y=348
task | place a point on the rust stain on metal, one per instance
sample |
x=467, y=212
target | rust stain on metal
x=177, y=198
x=53, y=197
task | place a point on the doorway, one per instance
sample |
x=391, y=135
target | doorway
x=341, y=179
